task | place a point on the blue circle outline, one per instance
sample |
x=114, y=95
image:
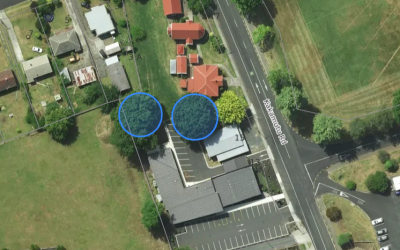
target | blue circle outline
x=190, y=139
x=119, y=114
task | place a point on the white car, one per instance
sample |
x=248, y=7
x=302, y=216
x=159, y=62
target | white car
x=385, y=248
x=376, y=221
x=36, y=49
x=382, y=238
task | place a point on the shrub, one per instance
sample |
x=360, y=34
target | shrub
x=217, y=44
x=122, y=23
x=391, y=166
x=150, y=215
x=19, y=130
x=383, y=156
x=38, y=36
x=92, y=93
x=351, y=185
x=334, y=213
x=377, y=183
x=35, y=247
x=118, y=2
x=344, y=239
x=60, y=247
x=138, y=33
x=46, y=26
x=30, y=118
x=33, y=6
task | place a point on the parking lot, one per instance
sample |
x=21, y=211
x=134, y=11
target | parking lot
x=191, y=158
x=380, y=227
x=236, y=229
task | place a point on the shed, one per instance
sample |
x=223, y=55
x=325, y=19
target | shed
x=172, y=66
x=111, y=60
x=100, y=21
x=194, y=58
x=65, y=72
x=84, y=76
x=7, y=80
x=112, y=49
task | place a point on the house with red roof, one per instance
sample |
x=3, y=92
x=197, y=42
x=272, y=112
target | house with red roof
x=205, y=81
x=188, y=31
x=181, y=65
x=194, y=58
x=180, y=49
x=172, y=7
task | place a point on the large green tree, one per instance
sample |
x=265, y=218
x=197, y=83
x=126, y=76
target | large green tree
x=197, y=6
x=231, y=107
x=59, y=130
x=278, y=79
x=287, y=104
x=263, y=36
x=40, y=22
x=382, y=121
x=326, y=129
x=333, y=213
x=359, y=128
x=377, y=183
x=246, y=7
x=150, y=215
x=45, y=7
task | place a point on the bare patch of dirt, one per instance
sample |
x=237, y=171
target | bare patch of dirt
x=103, y=129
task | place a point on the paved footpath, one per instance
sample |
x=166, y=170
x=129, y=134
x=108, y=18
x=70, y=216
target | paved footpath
x=12, y=36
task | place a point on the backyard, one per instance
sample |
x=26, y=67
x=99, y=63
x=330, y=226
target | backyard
x=359, y=170
x=82, y=196
x=347, y=60
x=354, y=220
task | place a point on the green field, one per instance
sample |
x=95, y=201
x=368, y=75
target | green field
x=83, y=195
x=344, y=52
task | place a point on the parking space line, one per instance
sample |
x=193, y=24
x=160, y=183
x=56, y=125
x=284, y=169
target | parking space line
x=263, y=208
x=265, y=237
x=234, y=218
x=242, y=240
x=231, y=243
x=220, y=245
x=203, y=226
x=186, y=165
x=181, y=153
x=253, y=237
x=197, y=248
x=275, y=232
x=275, y=206
x=208, y=247
x=252, y=211
x=215, y=225
x=241, y=214
x=202, y=247
x=248, y=241
x=237, y=244
x=214, y=246
x=258, y=211
x=247, y=214
x=270, y=235
x=225, y=244
x=269, y=207
x=208, y=224
x=280, y=229
x=191, y=227
x=259, y=238
x=197, y=228
x=287, y=232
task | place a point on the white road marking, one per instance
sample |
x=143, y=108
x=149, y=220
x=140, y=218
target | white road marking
x=316, y=224
x=244, y=45
x=275, y=232
x=270, y=235
x=340, y=191
x=263, y=208
x=280, y=229
x=203, y=226
x=258, y=211
x=202, y=247
x=259, y=238
x=235, y=23
x=248, y=241
x=264, y=235
x=186, y=164
x=252, y=211
x=214, y=246
x=269, y=207
x=242, y=240
x=208, y=224
x=197, y=248
x=184, y=159
x=191, y=227
x=253, y=237
x=231, y=242
x=227, y=2
x=257, y=76
x=287, y=151
x=208, y=247
x=225, y=244
x=309, y=175
x=237, y=244
x=265, y=85
x=197, y=228
x=247, y=214
x=219, y=245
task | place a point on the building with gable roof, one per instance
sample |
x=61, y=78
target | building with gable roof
x=188, y=31
x=205, y=81
x=172, y=7
x=65, y=42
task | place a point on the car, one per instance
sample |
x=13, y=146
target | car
x=36, y=49
x=382, y=231
x=85, y=5
x=376, y=221
x=385, y=247
x=398, y=193
x=382, y=238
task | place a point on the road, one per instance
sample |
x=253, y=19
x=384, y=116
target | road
x=7, y=3
x=287, y=157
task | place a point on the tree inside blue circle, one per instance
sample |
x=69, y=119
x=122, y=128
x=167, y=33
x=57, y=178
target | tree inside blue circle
x=140, y=114
x=195, y=117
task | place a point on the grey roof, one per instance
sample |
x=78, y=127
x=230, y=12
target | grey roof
x=37, y=67
x=65, y=72
x=118, y=77
x=182, y=203
x=172, y=66
x=236, y=186
x=65, y=42
x=112, y=49
x=226, y=143
x=99, y=20
x=235, y=164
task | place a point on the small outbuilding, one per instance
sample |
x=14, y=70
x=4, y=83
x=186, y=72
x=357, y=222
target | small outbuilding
x=112, y=49
x=172, y=66
x=172, y=7
x=194, y=58
x=7, y=80
x=84, y=76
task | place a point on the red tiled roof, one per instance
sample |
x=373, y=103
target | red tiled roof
x=180, y=49
x=188, y=31
x=7, y=80
x=205, y=80
x=181, y=65
x=172, y=7
x=183, y=83
x=194, y=58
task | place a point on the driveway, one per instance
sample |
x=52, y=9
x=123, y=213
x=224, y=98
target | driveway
x=237, y=229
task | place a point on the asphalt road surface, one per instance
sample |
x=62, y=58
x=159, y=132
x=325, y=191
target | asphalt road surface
x=7, y=3
x=287, y=157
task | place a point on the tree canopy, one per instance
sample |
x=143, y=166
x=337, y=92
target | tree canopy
x=278, y=79
x=382, y=121
x=326, y=129
x=45, y=7
x=383, y=156
x=391, y=166
x=59, y=130
x=377, y=183
x=395, y=102
x=46, y=26
x=334, y=213
x=351, y=185
x=150, y=214
x=359, y=128
x=246, y=7
x=263, y=36
x=287, y=104
x=138, y=33
x=231, y=107
x=344, y=239
x=197, y=7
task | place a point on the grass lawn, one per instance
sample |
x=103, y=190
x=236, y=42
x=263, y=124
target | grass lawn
x=210, y=56
x=59, y=22
x=353, y=221
x=5, y=61
x=44, y=90
x=359, y=170
x=347, y=60
x=83, y=196
x=77, y=94
x=156, y=51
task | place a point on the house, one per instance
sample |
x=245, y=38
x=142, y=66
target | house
x=36, y=67
x=180, y=49
x=112, y=49
x=205, y=81
x=201, y=199
x=118, y=76
x=65, y=42
x=100, y=21
x=226, y=143
x=194, y=58
x=188, y=31
x=181, y=65
x=84, y=76
x=7, y=80
x=172, y=66
x=172, y=7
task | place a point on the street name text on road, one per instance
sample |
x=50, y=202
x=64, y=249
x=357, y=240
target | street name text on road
x=277, y=127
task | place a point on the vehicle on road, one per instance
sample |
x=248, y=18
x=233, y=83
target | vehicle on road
x=85, y=5
x=382, y=238
x=385, y=248
x=382, y=231
x=377, y=221
x=36, y=49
